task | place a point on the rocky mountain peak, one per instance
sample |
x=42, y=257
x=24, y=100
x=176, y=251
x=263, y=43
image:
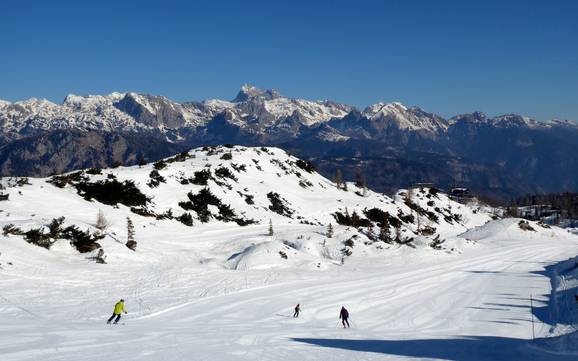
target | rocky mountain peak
x=250, y=92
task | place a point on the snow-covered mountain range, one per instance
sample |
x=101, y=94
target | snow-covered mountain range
x=252, y=106
x=504, y=155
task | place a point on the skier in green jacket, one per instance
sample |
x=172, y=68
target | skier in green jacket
x=118, y=310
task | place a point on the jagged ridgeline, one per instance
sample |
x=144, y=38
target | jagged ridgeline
x=394, y=145
x=264, y=190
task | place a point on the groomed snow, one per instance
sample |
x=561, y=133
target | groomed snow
x=218, y=291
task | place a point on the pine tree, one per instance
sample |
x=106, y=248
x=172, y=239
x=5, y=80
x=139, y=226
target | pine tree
x=101, y=222
x=384, y=233
x=359, y=179
x=130, y=242
x=329, y=233
x=409, y=195
x=398, y=234
x=370, y=234
x=271, y=232
x=338, y=179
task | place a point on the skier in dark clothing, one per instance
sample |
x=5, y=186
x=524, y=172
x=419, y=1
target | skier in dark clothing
x=297, y=310
x=344, y=315
x=118, y=310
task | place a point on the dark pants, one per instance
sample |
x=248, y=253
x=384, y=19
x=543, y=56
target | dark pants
x=344, y=321
x=113, y=316
x=296, y=314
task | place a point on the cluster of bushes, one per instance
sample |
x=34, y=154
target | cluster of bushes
x=305, y=183
x=353, y=219
x=45, y=236
x=437, y=243
x=422, y=211
x=305, y=165
x=199, y=203
x=112, y=192
x=278, y=204
x=94, y=171
x=181, y=157
x=61, y=181
x=239, y=167
x=201, y=177
x=382, y=218
x=224, y=172
x=184, y=218
x=160, y=164
x=525, y=226
x=155, y=179
x=427, y=231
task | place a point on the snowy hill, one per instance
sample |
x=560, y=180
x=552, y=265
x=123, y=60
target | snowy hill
x=239, y=186
x=422, y=276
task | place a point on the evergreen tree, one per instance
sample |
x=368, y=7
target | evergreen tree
x=271, y=232
x=101, y=222
x=338, y=179
x=384, y=233
x=130, y=242
x=359, y=179
x=329, y=233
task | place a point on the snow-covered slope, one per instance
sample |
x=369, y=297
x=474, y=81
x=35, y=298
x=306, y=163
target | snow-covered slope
x=220, y=290
x=226, y=186
x=401, y=117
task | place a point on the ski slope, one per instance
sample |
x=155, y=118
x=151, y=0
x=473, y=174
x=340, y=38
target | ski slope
x=412, y=305
x=219, y=290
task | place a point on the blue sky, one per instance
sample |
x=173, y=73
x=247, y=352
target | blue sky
x=448, y=57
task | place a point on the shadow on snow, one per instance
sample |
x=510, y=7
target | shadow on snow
x=462, y=349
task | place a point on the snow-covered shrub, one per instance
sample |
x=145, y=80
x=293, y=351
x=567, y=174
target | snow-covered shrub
x=382, y=218
x=11, y=229
x=201, y=177
x=353, y=220
x=224, y=172
x=94, y=171
x=186, y=219
x=239, y=167
x=437, y=243
x=161, y=164
x=305, y=165
x=427, y=231
x=61, y=181
x=101, y=222
x=112, y=192
x=422, y=211
x=143, y=211
x=278, y=204
x=155, y=179
x=199, y=203
x=525, y=226
x=181, y=157
x=83, y=241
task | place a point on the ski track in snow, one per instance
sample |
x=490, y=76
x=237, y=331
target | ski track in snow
x=217, y=291
x=177, y=313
